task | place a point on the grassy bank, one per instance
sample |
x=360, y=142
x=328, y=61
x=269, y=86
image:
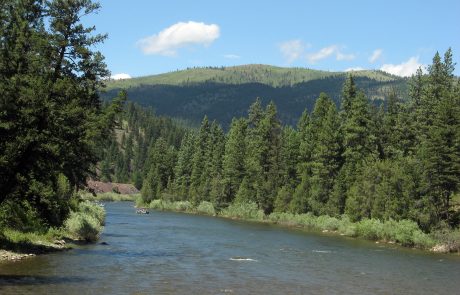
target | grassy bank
x=84, y=224
x=109, y=197
x=403, y=232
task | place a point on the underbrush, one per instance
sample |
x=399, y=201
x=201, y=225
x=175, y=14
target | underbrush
x=247, y=211
x=404, y=232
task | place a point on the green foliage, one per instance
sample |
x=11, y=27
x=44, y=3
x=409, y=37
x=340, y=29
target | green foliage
x=83, y=226
x=86, y=223
x=183, y=206
x=247, y=211
x=206, y=208
x=92, y=209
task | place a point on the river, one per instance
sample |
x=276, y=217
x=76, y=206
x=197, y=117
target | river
x=173, y=253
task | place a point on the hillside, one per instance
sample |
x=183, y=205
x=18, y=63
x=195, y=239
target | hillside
x=222, y=93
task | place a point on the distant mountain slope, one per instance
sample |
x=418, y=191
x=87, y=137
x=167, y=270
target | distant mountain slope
x=223, y=93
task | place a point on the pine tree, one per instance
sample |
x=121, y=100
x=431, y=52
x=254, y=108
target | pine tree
x=197, y=180
x=233, y=159
x=326, y=154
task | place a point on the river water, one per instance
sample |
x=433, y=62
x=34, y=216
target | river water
x=173, y=253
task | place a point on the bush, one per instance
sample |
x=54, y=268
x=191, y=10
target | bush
x=93, y=210
x=346, y=227
x=325, y=222
x=184, y=206
x=206, y=208
x=244, y=210
x=156, y=204
x=83, y=226
x=371, y=229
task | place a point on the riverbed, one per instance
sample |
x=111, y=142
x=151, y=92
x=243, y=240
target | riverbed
x=174, y=253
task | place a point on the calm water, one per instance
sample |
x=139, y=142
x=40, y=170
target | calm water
x=170, y=253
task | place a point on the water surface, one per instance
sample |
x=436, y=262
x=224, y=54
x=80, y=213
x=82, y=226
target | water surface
x=172, y=253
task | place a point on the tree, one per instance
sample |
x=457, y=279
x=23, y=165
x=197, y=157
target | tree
x=233, y=170
x=50, y=114
x=326, y=154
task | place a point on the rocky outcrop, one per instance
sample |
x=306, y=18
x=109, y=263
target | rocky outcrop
x=109, y=187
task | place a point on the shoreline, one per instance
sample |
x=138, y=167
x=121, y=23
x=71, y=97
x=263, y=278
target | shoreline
x=436, y=248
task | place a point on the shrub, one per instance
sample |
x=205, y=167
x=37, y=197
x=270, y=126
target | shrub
x=156, y=204
x=83, y=226
x=206, y=208
x=346, y=227
x=325, y=222
x=244, y=210
x=371, y=229
x=93, y=210
x=185, y=206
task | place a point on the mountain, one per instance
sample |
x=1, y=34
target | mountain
x=222, y=93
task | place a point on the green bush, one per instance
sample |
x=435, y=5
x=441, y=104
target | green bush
x=206, y=208
x=249, y=211
x=371, y=229
x=93, y=210
x=156, y=204
x=83, y=226
x=346, y=227
x=184, y=206
x=325, y=222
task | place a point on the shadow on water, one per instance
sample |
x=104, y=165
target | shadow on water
x=30, y=280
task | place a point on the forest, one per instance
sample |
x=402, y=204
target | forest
x=397, y=161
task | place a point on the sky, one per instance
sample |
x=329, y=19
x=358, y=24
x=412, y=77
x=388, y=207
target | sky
x=147, y=37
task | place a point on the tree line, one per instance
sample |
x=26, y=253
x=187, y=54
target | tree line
x=399, y=160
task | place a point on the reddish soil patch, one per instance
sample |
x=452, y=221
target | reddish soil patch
x=109, y=187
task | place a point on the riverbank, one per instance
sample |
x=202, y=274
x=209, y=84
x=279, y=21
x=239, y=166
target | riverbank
x=404, y=232
x=83, y=225
x=109, y=197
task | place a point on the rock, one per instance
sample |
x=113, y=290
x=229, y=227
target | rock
x=441, y=248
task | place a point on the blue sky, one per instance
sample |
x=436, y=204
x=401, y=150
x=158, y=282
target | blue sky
x=151, y=37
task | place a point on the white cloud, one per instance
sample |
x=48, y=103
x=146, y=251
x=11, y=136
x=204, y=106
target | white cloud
x=327, y=52
x=179, y=35
x=322, y=54
x=404, y=69
x=375, y=55
x=292, y=50
x=231, y=56
x=343, y=56
x=120, y=76
x=354, y=69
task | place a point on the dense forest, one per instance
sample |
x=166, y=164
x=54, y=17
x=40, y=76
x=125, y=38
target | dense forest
x=227, y=92
x=399, y=160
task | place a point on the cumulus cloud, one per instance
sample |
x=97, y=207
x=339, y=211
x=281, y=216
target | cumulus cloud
x=168, y=41
x=327, y=52
x=375, y=55
x=404, y=69
x=354, y=69
x=120, y=76
x=231, y=56
x=292, y=50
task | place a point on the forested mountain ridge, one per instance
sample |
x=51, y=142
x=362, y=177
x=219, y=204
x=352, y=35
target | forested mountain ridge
x=222, y=93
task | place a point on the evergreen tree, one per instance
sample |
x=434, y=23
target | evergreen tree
x=326, y=154
x=234, y=159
